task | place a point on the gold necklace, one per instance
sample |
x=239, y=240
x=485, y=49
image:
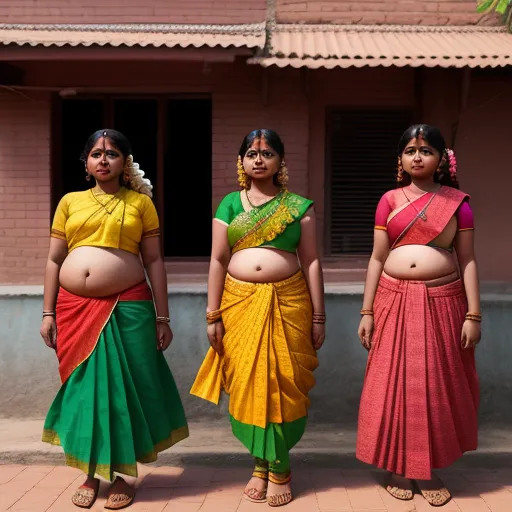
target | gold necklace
x=109, y=201
x=421, y=214
x=254, y=205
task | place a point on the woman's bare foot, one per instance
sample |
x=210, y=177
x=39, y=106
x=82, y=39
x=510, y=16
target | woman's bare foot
x=279, y=494
x=400, y=487
x=434, y=491
x=86, y=494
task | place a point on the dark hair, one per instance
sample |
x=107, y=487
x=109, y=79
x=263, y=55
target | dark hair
x=117, y=138
x=434, y=137
x=273, y=140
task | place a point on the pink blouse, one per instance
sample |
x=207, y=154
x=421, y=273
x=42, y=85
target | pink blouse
x=388, y=203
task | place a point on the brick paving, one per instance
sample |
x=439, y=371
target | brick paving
x=38, y=488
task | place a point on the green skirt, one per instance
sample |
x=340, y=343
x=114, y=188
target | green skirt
x=121, y=405
x=271, y=444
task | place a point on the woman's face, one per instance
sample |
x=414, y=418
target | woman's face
x=105, y=162
x=260, y=160
x=419, y=159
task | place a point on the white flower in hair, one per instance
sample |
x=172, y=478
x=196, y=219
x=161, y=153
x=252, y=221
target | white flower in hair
x=134, y=176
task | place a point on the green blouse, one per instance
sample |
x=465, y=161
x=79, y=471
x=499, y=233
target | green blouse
x=275, y=223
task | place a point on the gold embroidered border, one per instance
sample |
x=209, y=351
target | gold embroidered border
x=106, y=470
x=153, y=232
x=58, y=234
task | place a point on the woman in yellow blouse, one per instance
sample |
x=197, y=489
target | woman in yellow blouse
x=118, y=404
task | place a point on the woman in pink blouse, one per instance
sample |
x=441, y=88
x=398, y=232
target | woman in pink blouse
x=420, y=323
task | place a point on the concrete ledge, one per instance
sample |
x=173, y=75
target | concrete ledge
x=491, y=292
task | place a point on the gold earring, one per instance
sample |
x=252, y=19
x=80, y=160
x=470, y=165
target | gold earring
x=282, y=175
x=400, y=171
x=243, y=178
x=87, y=175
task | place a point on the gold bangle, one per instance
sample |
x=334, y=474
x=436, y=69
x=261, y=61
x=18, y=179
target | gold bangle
x=474, y=314
x=49, y=313
x=213, y=317
x=474, y=318
x=163, y=319
x=366, y=312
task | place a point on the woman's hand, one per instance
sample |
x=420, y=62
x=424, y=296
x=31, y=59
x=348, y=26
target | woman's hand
x=163, y=335
x=318, y=334
x=365, y=331
x=49, y=331
x=471, y=334
x=215, y=334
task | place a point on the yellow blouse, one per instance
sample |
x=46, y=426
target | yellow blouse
x=117, y=221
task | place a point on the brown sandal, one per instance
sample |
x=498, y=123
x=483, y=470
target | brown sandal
x=119, y=500
x=85, y=497
x=436, y=497
x=254, y=495
x=400, y=493
x=278, y=500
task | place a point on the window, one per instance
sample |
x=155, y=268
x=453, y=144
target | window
x=360, y=167
x=172, y=142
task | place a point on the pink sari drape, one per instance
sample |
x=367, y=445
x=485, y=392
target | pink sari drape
x=439, y=208
x=419, y=403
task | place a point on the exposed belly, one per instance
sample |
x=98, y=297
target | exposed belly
x=99, y=272
x=263, y=265
x=419, y=262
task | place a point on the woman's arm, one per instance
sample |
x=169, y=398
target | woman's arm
x=153, y=261
x=464, y=247
x=219, y=261
x=375, y=266
x=151, y=253
x=56, y=256
x=310, y=263
x=312, y=268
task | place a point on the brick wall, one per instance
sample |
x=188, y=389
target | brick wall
x=440, y=12
x=241, y=105
x=132, y=11
x=24, y=188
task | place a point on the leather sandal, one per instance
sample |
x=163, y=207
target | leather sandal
x=254, y=495
x=436, y=497
x=278, y=500
x=119, y=500
x=400, y=493
x=84, y=497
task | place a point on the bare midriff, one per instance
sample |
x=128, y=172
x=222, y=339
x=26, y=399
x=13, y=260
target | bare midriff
x=100, y=272
x=263, y=265
x=421, y=263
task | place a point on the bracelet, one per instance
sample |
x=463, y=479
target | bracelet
x=476, y=317
x=318, y=321
x=213, y=317
x=48, y=313
x=163, y=319
x=368, y=312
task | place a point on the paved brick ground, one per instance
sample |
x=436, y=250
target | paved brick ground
x=37, y=488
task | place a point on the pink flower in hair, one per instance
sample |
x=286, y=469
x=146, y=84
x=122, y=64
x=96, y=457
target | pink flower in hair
x=452, y=161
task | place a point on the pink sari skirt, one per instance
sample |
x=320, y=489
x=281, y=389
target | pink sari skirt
x=419, y=402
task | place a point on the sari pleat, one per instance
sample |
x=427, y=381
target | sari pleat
x=420, y=398
x=267, y=366
x=120, y=406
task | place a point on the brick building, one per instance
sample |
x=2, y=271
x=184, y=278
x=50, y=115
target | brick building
x=187, y=79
